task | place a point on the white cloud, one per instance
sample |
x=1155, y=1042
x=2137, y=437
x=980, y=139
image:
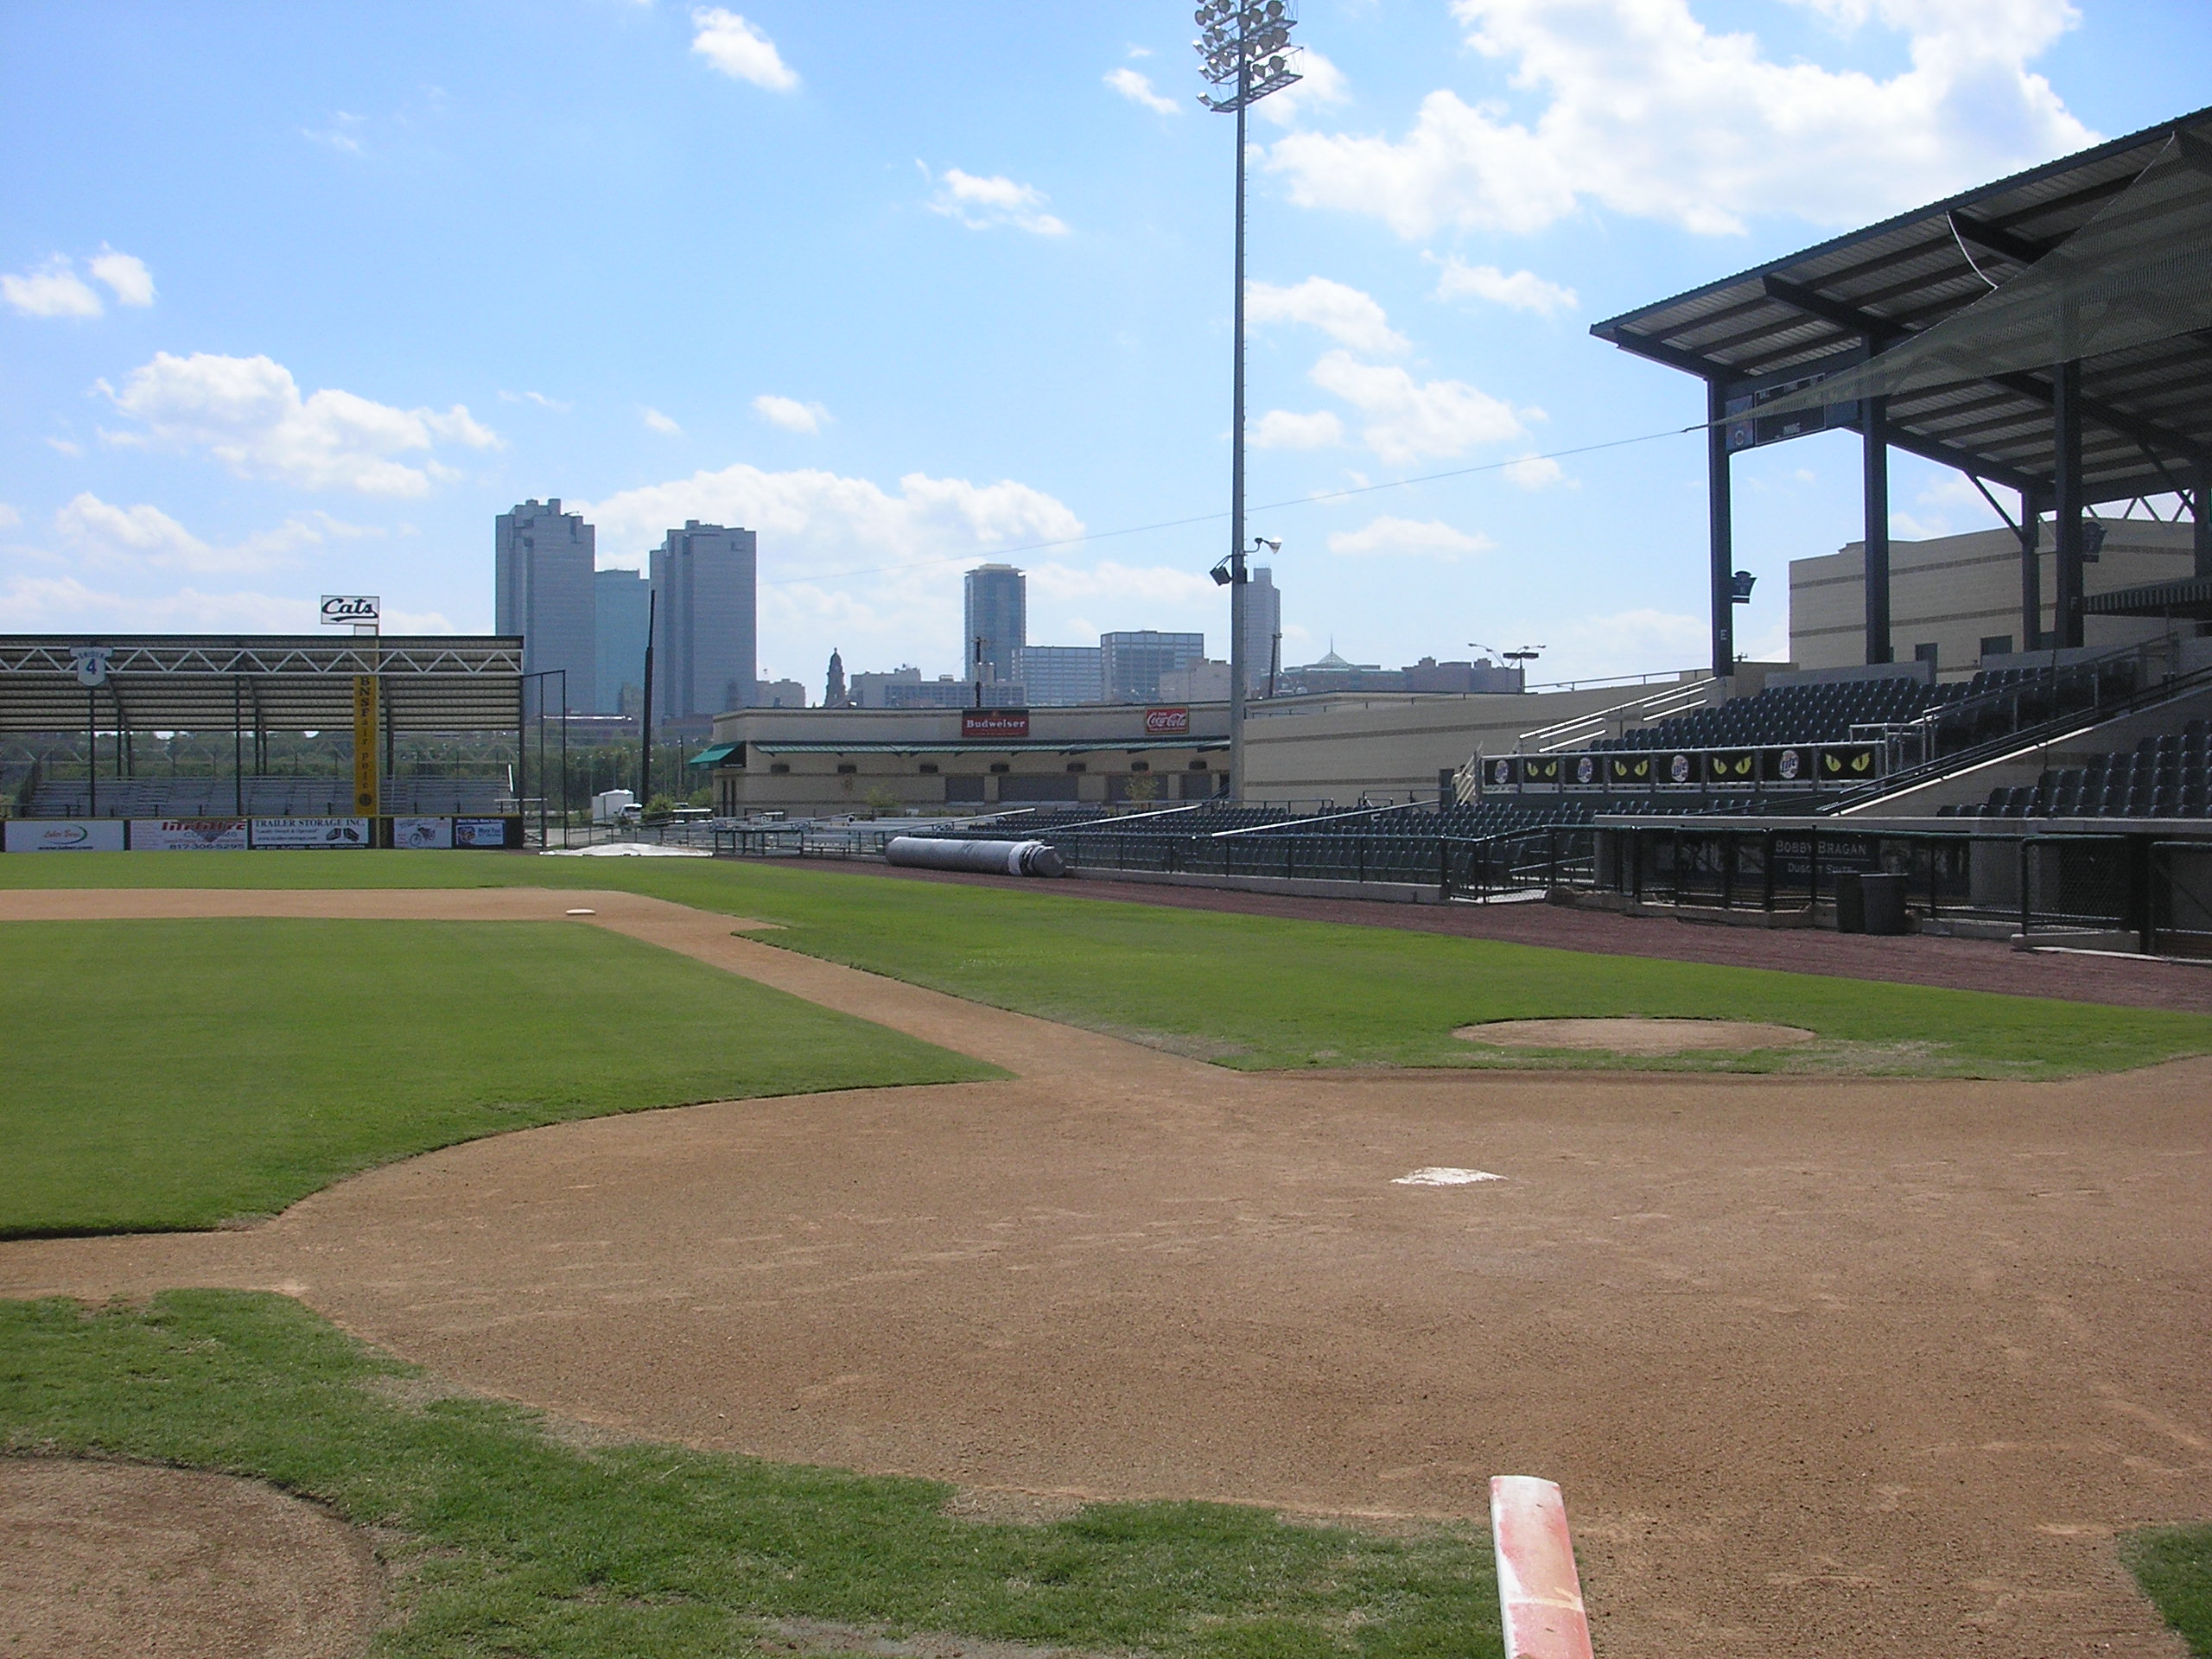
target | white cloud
x=9, y=517
x=1283, y=428
x=815, y=525
x=103, y=534
x=657, y=422
x=739, y=50
x=1164, y=584
x=1418, y=538
x=1536, y=473
x=248, y=413
x=1626, y=642
x=125, y=276
x=1322, y=85
x=789, y=413
x=1641, y=110
x=53, y=290
x=982, y=204
x=1408, y=419
x=1524, y=290
x=1344, y=313
x=537, y=397
x=1138, y=90
x=343, y=134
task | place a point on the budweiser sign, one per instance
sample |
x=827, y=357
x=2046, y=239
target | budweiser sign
x=1166, y=722
x=993, y=723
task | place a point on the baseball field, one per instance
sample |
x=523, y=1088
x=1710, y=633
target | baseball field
x=485, y=1255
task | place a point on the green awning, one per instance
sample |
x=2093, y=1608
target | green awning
x=716, y=755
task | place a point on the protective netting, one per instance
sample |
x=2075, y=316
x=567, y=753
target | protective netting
x=2140, y=272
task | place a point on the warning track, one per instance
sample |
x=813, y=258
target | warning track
x=1823, y=1366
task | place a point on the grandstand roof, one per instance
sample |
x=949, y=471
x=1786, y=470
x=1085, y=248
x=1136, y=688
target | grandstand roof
x=2147, y=409
x=172, y=682
x=2187, y=597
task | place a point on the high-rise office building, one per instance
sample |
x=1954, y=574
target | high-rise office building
x=1262, y=628
x=1131, y=663
x=619, y=599
x=1059, y=677
x=542, y=589
x=997, y=615
x=705, y=660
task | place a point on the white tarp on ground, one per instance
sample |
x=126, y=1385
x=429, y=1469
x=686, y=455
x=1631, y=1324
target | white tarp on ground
x=626, y=849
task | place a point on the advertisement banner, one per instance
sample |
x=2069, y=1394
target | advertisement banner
x=480, y=832
x=188, y=835
x=311, y=832
x=1166, y=722
x=993, y=723
x=365, y=745
x=422, y=832
x=63, y=836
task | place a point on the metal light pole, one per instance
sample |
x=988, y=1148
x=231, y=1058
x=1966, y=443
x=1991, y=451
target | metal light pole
x=1244, y=47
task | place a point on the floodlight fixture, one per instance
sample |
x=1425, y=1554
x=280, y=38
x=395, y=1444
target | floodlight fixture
x=1740, y=586
x=1273, y=544
x=1243, y=49
x=1524, y=653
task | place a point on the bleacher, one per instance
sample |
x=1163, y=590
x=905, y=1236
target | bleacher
x=2164, y=776
x=264, y=797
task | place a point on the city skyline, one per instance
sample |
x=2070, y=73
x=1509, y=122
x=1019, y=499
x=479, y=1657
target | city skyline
x=268, y=335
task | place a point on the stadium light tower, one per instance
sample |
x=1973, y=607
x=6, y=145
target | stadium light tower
x=1243, y=49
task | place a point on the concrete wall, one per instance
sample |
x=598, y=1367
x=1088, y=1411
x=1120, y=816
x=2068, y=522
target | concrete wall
x=1955, y=592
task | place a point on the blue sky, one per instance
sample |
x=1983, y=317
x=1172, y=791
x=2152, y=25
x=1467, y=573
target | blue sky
x=295, y=298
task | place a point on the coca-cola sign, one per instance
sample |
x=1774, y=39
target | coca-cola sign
x=1166, y=722
x=993, y=723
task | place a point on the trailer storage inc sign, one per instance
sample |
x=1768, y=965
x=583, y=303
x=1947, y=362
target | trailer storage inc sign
x=993, y=723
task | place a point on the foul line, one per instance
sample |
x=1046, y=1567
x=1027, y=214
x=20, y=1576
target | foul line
x=1215, y=517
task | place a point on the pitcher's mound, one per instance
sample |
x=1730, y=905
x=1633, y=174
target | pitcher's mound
x=1636, y=1036
x=98, y=1558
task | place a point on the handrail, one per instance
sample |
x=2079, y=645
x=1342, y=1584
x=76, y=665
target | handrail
x=1602, y=716
x=1294, y=825
x=2023, y=738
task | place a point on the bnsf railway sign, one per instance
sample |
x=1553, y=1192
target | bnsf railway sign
x=342, y=608
x=993, y=723
x=1166, y=722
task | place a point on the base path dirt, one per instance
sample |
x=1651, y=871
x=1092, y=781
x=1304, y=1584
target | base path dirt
x=1824, y=1367
x=102, y=1558
x=1641, y=1037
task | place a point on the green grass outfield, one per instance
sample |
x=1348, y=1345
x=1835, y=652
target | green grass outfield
x=504, y=1540
x=1247, y=991
x=177, y=1074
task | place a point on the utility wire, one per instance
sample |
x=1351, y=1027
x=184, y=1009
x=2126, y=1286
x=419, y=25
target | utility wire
x=1215, y=517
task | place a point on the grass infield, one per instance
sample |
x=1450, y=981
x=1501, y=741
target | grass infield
x=2174, y=1566
x=502, y=1539
x=1254, y=992
x=179, y=1074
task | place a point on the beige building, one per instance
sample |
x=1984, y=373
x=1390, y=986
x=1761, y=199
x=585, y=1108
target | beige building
x=821, y=762
x=1957, y=599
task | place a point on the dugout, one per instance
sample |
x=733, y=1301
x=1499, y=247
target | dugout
x=273, y=739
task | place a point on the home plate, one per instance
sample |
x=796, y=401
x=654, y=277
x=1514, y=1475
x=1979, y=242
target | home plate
x=1444, y=1175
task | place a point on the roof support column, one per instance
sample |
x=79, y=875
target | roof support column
x=2203, y=517
x=2030, y=533
x=1875, y=422
x=2066, y=500
x=1721, y=519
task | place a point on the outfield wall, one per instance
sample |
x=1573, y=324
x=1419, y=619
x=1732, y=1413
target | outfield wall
x=242, y=835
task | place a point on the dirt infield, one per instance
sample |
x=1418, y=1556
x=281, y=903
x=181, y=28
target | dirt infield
x=101, y=1559
x=1824, y=1367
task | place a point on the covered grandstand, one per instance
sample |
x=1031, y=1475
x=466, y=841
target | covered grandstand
x=259, y=729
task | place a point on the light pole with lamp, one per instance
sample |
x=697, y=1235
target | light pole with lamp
x=1245, y=49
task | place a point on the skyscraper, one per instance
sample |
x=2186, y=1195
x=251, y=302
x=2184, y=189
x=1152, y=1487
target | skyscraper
x=1057, y=677
x=620, y=627
x=542, y=589
x=997, y=614
x=1132, y=662
x=705, y=661
x=1262, y=626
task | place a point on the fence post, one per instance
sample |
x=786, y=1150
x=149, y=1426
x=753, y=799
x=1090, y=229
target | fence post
x=1551, y=839
x=2024, y=908
x=1766, y=874
x=1443, y=869
x=1727, y=872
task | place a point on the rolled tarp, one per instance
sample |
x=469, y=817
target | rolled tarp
x=990, y=857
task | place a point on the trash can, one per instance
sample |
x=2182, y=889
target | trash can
x=1850, y=903
x=1882, y=904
